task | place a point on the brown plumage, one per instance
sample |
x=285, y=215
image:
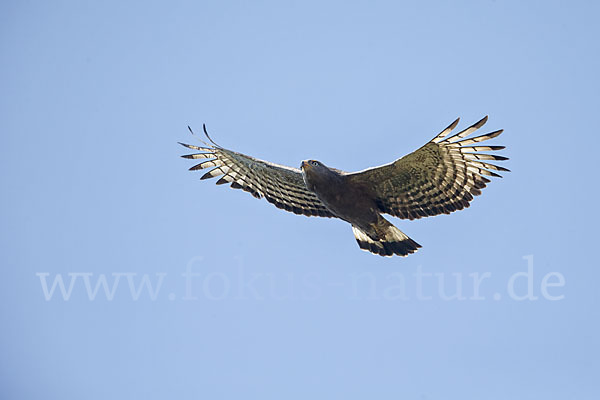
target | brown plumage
x=439, y=178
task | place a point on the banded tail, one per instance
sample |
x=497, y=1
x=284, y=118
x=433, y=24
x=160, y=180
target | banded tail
x=385, y=239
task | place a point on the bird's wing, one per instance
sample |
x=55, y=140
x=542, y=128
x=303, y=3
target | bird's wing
x=280, y=185
x=440, y=177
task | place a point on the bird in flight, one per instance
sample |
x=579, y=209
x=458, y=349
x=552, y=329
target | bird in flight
x=440, y=177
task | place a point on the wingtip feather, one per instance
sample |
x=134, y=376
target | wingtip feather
x=208, y=136
x=481, y=122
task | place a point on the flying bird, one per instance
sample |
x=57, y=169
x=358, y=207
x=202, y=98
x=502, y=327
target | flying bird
x=440, y=177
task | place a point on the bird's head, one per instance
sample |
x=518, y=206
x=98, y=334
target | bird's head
x=315, y=173
x=310, y=165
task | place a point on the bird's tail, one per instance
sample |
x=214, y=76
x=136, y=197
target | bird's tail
x=385, y=239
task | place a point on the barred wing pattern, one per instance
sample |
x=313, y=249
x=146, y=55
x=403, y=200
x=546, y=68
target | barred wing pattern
x=280, y=185
x=439, y=178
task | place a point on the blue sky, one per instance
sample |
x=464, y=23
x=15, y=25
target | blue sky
x=248, y=301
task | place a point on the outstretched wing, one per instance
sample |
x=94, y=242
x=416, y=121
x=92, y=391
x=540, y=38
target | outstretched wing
x=280, y=185
x=440, y=177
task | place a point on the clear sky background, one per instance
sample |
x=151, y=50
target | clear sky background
x=94, y=97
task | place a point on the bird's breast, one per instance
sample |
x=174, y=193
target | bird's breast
x=346, y=201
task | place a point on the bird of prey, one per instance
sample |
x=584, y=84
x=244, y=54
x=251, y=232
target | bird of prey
x=440, y=177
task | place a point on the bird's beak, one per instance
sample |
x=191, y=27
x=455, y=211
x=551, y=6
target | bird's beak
x=304, y=164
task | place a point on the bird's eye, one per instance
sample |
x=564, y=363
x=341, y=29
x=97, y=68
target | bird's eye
x=314, y=163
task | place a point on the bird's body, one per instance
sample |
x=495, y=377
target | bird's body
x=355, y=204
x=345, y=201
x=440, y=177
